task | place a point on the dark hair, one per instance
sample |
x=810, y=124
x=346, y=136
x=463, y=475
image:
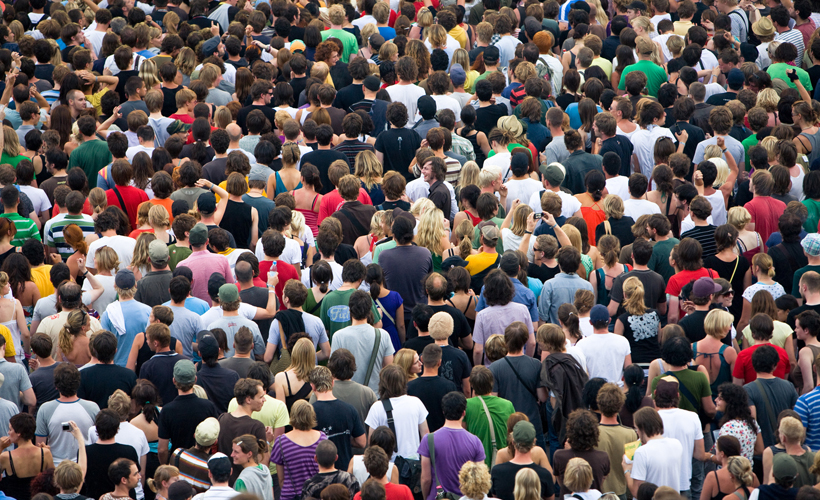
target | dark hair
x=498, y=288
x=633, y=379
x=582, y=430
x=590, y=393
x=25, y=425
x=765, y=358
x=676, y=351
x=737, y=405
x=453, y=405
x=67, y=379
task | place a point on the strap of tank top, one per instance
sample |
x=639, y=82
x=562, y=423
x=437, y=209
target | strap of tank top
x=42, y=458
x=288, y=382
x=313, y=204
x=803, y=134
x=11, y=464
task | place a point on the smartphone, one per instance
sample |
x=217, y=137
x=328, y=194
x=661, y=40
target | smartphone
x=66, y=427
x=537, y=216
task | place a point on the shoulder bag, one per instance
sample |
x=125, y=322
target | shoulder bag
x=119, y=198
x=409, y=468
x=534, y=394
x=492, y=431
x=441, y=494
x=373, y=355
x=384, y=311
x=686, y=393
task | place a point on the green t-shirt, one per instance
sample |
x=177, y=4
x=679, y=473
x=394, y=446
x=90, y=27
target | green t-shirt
x=91, y=156
x=696, y=382
x=26, y=229
x=387, y=245
x=747, y=145
x=778, y=70
x=348, y=41
x=12, y=160
x=336, y=313
x=813, y=220
x=655, y=76
x=475, y=420
x=177, y=254
x=499, y=246
x=659, y=262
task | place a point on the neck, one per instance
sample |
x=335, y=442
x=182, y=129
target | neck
x=324, y=396
x=430, y=372
x=240, y=355
x=357, y=322
x=120, y=490
x=242, y=410
x=702, y=308
x=453, y=424
x=522, y=458
x=765, y=375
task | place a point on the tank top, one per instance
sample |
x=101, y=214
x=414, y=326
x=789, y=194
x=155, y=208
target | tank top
x=814, y=142
x=238, y=221
x=593, y=216
x=15, y=333
x=476, y=220
x=603, y=291
x=311, y=217
x=19, y=487
x=302, y=393
x=479, y=153
x=724, y=373
x=797, y=373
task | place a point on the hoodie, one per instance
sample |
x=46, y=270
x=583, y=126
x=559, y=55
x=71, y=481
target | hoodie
x=256, y=480
x=460, y=34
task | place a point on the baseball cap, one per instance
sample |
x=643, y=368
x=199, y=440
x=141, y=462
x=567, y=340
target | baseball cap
x=206, y=203
x=210, y=46
x=490, y=233
x=457, y=75
x=637, y=5
x=206, y=432
x=184, y=372
x=219, y=464
x=519, y=160
x=208, y=347
x=811, y=244
x=372, y=83
x=667, y=388
x=228, y=293
x=509, y=262
x=552, y=173
x=376, y=40
x=427, y=107
x=524, y=432
x=198, y=234
x=158, y=253
x=258, y=175
x=215, y=282
x=581, y=5
x=491, y=55
x=598, y=313
x=125, y=279
x=735, y=79
x=181, y=490
x=784, y=466
x=180, y=207
x=705, y=287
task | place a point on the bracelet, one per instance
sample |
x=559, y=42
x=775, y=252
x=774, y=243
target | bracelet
x=527, y=232
x=85, y=273
x=211, y=188
x=724, y=149
x=271, y=287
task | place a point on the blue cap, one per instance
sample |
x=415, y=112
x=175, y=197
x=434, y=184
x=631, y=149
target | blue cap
x=598, y=313
x=735, y=79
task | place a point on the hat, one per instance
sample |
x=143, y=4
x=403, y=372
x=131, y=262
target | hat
x=749, y=51
x=208, y=347
x=705, y=287
x=637, y=5
x=811, y=244
x=509, y=263
x=184, y=372
x=784, y=467
x=228, y=293
x=491, y=55
x=524, y=432
x=125, y=279
x=427, y=107
x=490, y=233
x=598, y=313
x=519, y=160
x=206, y=203
x=510, y=124
x=198, y=235
x=158, y=253
x=457, y=75
x=220, y=465
x=258, y=174
x=181, y=490
x=763, y=27
x=398, y=212
x=376, y=40
x=210, y=46
x=206, y=432
x=440, y=325
x=215, y=281
x=667, y=388
x=735, y=79
x=552, y=173
x=179, y=207
x=372, y=83
x=580, y=5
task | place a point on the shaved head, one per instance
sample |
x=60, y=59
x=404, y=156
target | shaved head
x=234, y=132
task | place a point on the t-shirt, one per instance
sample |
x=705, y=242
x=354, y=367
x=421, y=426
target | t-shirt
x=656, y=76
x=405, y=268
x=50, y=420
x=692, y=326
x=506, y=384
x=431, y=390
x=42, y=381
x=685, y=427
x=659, y=462
x=781, y=395
x=654, y=287
x=99, y=457
x=605, y=354
x=98, y=382
x=642, y=334
x=16, y=381
x=392, y=492
x=26, y=229
x=495, y=319
x=455, y=366
x=218, y=383
x=408, y=413
x=679, y=280
x=359, y=340
x=765, y=212
x=340, y=422
x=335, y=314
x=452, y=448
x=659, y=262
x=122, y=245
x=503, y=480
x=743, y=365
x=705, y=235
x=611, y=439
x=231, y=427
x=231, y=325
x=598, y=460
x=475, y=421
x=695, y=381
x=179, y=418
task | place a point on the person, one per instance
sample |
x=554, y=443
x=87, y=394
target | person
x=406, y=266
x=762, y=269
x=255, y=477
x=717, y=326
x=582, y=438
x=612, y=436
x=99, y=381
x=658, y=459
x=640, y=325
x=704, y=290
x=328, y=474
x=232, y=319
x=376, y=462
x=105, y=451
x=784, y=473
x=42, y=378
x=202, y=263
x=405, y=412
x=486, y=415
x=125, y=316
x=676, y=354
x=250, y=397
x=762, y=328
x=30, y=461
x=430, y=387
x=164, y=477
x=737, y=419
x=504, y=475
x=769, y=395
x=299, y=446
x=160, y=367
x=338, y=416
x=607, y=354
x=219, y=475
x=561, y=289
x=727, y=450
x=790, y=435
x=125, y=476
x=192, y=462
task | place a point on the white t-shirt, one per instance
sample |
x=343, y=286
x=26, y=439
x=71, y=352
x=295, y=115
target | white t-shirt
x=112, y=66
x=644, y=141
x=618, y=185
x=108, y=296
x=292, y=254
x=408, y=413
x=636, y=208
x=131, y=152
x=246, y=310
x=718, y=207
x=335, y=283
x=447, y=102
x=684, y=426
x=362, y=21
x=123, y=245
x=686, y=224
x=38, y=198
x=522, y=190
x=409, y=96
x=605, y=355
x=659, y=462
x=95, y=37
x=502, y=161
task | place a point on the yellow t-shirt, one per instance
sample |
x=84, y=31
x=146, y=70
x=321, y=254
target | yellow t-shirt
x=6, y=333
x=274, y=414
x=479, y=262
x=96, y=100
x=782, y=333
x=42, y=278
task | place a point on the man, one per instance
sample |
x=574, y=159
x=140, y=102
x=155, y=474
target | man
x=704, y=291
x=492, y=430
x=232, y=320
x=335, y=313
x=735, y=80
x=785, y=34
x=15, y=381
x=125, y=475
x=456, y=446
x=331, y=201
x=655, y=74
x=250, y=397
x=578, y=163
x=658, y=459
x=376, y=108
x=807, y=408
x=430, y=387
x=152, y=289
x=396, y=147
x=241, y=360
x=329, y=473
x=553, y=178
x=92, y=154
x=186, y=323
x=107, y=224
x=607, y=354
x=55, y=233
x=454, y=363
x=261, y=93
x=193, y=462
x=360, y=338
x=26, y=228
x=101, y=380
x=106, y=450
x=337, y=19
x=202, y=263
x=342, y=365
x=159, y=369
x=771, y=395
x=67, y=407
x=219, y=475
x=521, y=186
x=353, y=93
x=215, y=379
x=611, y=142
x=353, y=214
x=660, y=230
x=352, y=146
x=42, y=378
x=405, y=90
x=503, y=475
x=126, y=316
x=612, y=436
x=561, y=289
x=337, y=419
x=764, y=209
x=653, y=283
x=187, y=411
x=406, y=266
x=556, y=150
x=377, y=463
x=145, y=135
x=762, y=328
x=434, y=172
x=637, y=204
x=294, y=296
x=721, y=122
x=435, y=286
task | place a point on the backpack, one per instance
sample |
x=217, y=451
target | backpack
x=544, y=70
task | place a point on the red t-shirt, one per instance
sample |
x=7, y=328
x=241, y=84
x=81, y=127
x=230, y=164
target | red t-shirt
x=331, y=201
x=393, y=492
x=183, y=118
x=743, y=364
x=136, y=232
x=286, y=272
x=132, y=197
x=681, y=279
x=765, y=212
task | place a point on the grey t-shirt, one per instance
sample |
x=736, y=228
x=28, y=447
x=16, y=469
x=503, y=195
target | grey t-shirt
x=782, y=396
x=185, y=327
x=507, y=385
x=50, y=420
x=44, y=308
x=42, y=380
x=231, y=325
x=16, y=381
x=404, y=270
x=7, y=410
x=653, y=284
x=359, y=340
x=357, y=395
x=239, y=365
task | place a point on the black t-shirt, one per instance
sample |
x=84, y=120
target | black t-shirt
x=653, y=284
x=621, y=146
x=159, y=369
x=344, y=253
x=620, y=228
x=218, y=383
x=269, y=113
x=98, y=383
x=419, y=343
x=321, y=159
x=348, y=96
x=487, y=117
x=183, y=414
x=706, y=236
x=169, y=100
x=692, y=325
x=642, y=334
x=398, y=145
x=503, y=480
x=339, y=421
x=455, y=366
x=123, y=78
x=99, y=457
x=42, y=381
x=258, y=296
x=726, y=270
x=542, y=272
x=431, y=390
x=565, y=100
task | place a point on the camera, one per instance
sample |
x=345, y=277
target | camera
x=537, y=216
x=66, y=427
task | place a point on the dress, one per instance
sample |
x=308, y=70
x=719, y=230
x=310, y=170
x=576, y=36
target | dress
x=18, y=487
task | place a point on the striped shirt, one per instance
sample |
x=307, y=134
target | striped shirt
x=26, y=229
x=301, y=465
x=351, y=148
x=706, y=236
x=808, y=407
x=795, y=38
x=463, y=147
x=193, y=467
x=55, y=237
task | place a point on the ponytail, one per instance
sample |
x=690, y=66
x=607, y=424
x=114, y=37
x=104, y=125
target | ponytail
x=568, y=316
x=634, y=297
x=765, y=263
x=464, y=231
x=633, y=378
x=374, y=278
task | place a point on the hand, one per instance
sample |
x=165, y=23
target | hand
x=148, y=19
x=549, y=218
x=424, y=143
x=542, y=158
x=10, y=77
x=682, y=137
x=80, y=263
x=56, y=258
x=273, y=278
x=721, y=142
x=214, y=28
x=248, y=6
x=514, y=204
x=268, y=429
x=743, y=176
x=5, y=442
x=502, y=190
x=248, y=30
x=707, y=25
x=792, y=74
x=531, y=222
x=117, y=112
x=598, y=143
x=204, y=183
x=625, y=465
x=75, y=431
x=34, y=363
x=698, y=178
x=688, y=306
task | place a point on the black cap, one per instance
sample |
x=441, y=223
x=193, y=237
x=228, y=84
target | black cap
x=179, y=207
x=372, y=83
x=206, y=203
x=491, y=55
x=214, y=282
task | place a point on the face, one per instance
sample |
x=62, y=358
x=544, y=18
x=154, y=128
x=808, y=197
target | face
x=726, y=299
x=6, y=289
x=142, y=91
x=632, y=14
x=78, y=102
x=427, y=172
x=134, y=478
x=416, y=367
x=801, y=333
x=334, y=58
x=191, y=105
x=259, y=400
x=268, y=96
x=725, y=67
x=13, y=436
x=720, y=404
x=239, y=457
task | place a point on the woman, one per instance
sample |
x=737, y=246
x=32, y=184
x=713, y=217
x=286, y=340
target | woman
x=732, y=267
x=474, y=481
x=31, y=459
x=186, y=62
x=145, y=398
x=384, y=438
x=791, y=434
x=640, y=325
x=527, y=485
x=73, y=339
x=15, y=314
x=244, y=80
x=748, y=242
x=506, y=454
x=131, y=195
x=143, y=172
x=512, y=236
x=288, y=178
x=236, y=216
x=299, y=446
x=365, y=244
x=283, y=97
x=75, y=238
x=369, y=171
x=763, y=269
x=723, y=482
x=409, y=361
x=142, y=221
x=7, y=232
x=590, y=257
x=686, y=258
x=553, y=341
x=468, y=197
x=616, y=222
x=712, y=353
x=433, y=235
x=11, y=148
x=782, y=336
x=308, y=197
x=140, y=261
x=806, y=328
x=635, y=399
x=321, y=275
x=164, y=476
x=768, y=100
x=737, y=420
x=578, y=480
x=302, y=360
x=660, y=365
x=624, y=56
x=107, y=263
x=591, y=206
x=159, y=220
x=478, y=139
x=811, y=191
x=603, y=277
x=255, y=477
x=389, y=303
x=463, y=298
x=570, y=323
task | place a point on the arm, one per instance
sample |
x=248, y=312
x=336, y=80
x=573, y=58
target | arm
x=804, y=94
x=6, y=97
x=104, y=126
x=759, y=444
x=162, y=451
x=612, y=308
x=619, y=327
x=270, y=350
x=673, y=314
x=29, y=399
x=708, y=405
x=744, y=316
x=402, y=330
x=324, y=351
x=270, y=308
x=426, y=476
x=508, y=218
x=279, y=387
x=97, y=288
x=21, y=324
x=254, y=227
x=478, y=354
x=78, y=435
x=727, y=186
x=358, y=442
x=805, y=363
x=387, y=360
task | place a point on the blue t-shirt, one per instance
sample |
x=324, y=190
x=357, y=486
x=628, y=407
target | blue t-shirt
x=135, y=315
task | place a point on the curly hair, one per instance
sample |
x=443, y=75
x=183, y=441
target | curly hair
x=582, y=430
x=737, y=405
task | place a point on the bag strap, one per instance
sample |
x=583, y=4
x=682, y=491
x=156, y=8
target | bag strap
x=492, y=430
x=282, y=339
x=431, y=447
x=353, y=220
x=737, y=261
x=373, y=355
x=767, y=404
x=686, y=392
x=122, y=203
x=388, y=410
x=519, y=378
x=384, y=311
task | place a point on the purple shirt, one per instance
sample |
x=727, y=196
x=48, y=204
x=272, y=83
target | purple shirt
x=496, y=318
x=202, y=264
x=300, y=464
x=453, y=448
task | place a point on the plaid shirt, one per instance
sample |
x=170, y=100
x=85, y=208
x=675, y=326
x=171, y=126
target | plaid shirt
x=462, y=146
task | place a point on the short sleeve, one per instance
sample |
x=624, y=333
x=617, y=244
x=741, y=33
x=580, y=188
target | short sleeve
x=424, y=448
x=273, y=336
x=639, y=471
x=375, y=416
x=277, y=455
x=25, y=383
x=42, y=422
x=386, y=343
x=422, y=411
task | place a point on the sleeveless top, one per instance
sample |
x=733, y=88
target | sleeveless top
x=280, y=186
x=797, y=373
x=15, y=333
x=479, y=153
x=467, y=308
x=814, y=142
x=750, y=253
x=474, y=219
x=19, y=487
x=572, y=60
x=593, y=217
x=302, y=393
x=238, y=221
x=44, y=174
x=724, y=374
x=311, y=217
x=603, y=291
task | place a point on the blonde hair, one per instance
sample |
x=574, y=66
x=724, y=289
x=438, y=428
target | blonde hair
x=223, y=117
x=527, y=485
x=186, y=61
x=302, y=358
x=106, y=259
x=170, y=21
x=722, y=172
x=291, y=154
x=519, y=218
x=739, y=217
x=600, y=12
x=741, y=469
x=462, y=57
x=717, y=323
x=464, y=234
x=770, y=145
x=431, y=230
x=72, y=328
x=11, y=144
x=474, y=480
x=302, y=415
x=609, y=246
x=469, y=174
x=574, y=236
x=613, y=207
x=578, y=475
x=645, y=23
x=297, y=223
x=149, y=73
x=369, y=30
x=140, y=257
x=551, y=337
x=387, y=51
x=98, y=200
x=404, y=358
x=424, y=19
x=68, y=476
x=162, y=474
x=712, y=151
x=765, y=263
x=768, y=99
x=437, y=36
x=368, y=168
x=158, y=216
x=142, y=213
x=488, y=175
x=792, y=428
x=634, y=297
x=421, y=206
